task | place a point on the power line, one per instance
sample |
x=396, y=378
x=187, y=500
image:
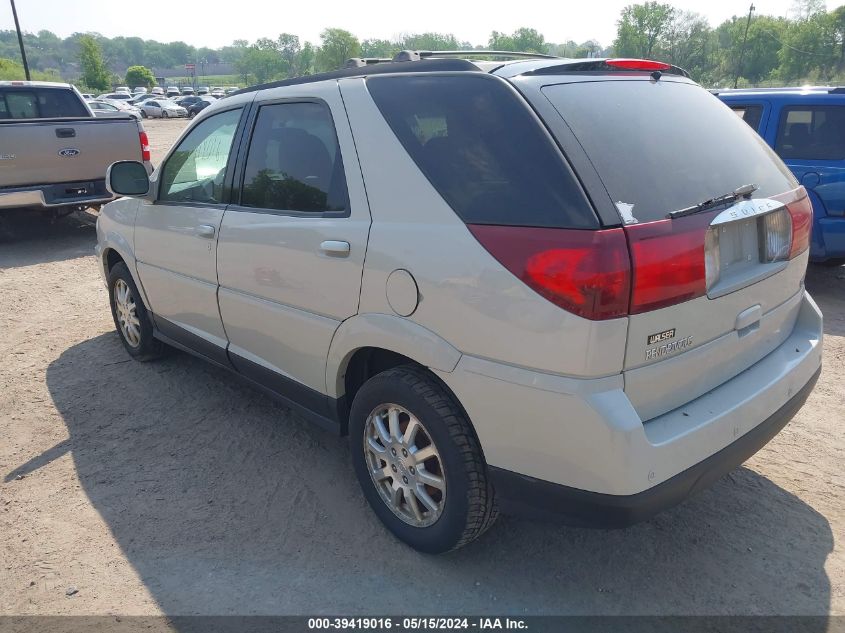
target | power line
x=797, y=50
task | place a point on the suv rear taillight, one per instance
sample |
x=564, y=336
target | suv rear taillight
x=145, y=146
x=612, y=273
x=668, y=261
x=801, y=211
x=584, y=272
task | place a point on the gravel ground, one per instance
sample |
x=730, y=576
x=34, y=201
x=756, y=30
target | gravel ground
x=169, y=488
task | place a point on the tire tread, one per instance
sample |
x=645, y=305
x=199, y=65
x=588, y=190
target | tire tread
x=483, y=511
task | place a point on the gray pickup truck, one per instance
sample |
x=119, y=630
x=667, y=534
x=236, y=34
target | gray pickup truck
x=53, y=152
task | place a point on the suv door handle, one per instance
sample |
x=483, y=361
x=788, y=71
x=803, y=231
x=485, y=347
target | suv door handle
x=205, y=230
x=335, y=248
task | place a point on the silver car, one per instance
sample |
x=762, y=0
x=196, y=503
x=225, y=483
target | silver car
x=568, y=288
x=112, y=109
x=162, y=109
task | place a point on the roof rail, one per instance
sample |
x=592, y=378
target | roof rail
x=360, y=62
x=415, y=56
x=403, y=56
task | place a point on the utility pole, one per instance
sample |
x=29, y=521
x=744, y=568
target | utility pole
x=20, y=40
x=744, y=41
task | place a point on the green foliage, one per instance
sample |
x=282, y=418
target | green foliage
x=140, y=76
x=524, y=39
x=337, y=47
x=11, y=70
x=640, y=27
x=94, y=72
x=808, y=46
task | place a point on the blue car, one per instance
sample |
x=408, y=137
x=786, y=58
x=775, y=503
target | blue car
x=806, y=127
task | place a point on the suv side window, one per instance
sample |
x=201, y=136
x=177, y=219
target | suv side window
x=751, y=114
x=482, y=149
x=195, y=170
x=294, y=161
x=812, y=132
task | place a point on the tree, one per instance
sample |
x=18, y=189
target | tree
x=639, y=28
x=260, y=62
x=140, y=76
x=379, y=48
x=688, y=42
x=337, y=46
x=95, y=75
x=429, y=42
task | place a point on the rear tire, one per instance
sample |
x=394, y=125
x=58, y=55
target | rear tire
x=435, y=501
x=133, y=322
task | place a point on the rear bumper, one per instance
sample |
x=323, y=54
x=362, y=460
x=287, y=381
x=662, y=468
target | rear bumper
x=64, y=194
x=582, y=444
x=526, y=496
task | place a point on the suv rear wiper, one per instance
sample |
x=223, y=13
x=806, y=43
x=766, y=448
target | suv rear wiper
x=744, y=191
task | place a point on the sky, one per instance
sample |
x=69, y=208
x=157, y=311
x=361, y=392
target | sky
x=216, y=23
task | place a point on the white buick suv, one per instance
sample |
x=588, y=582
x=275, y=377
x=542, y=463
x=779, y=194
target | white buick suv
x=568, y=288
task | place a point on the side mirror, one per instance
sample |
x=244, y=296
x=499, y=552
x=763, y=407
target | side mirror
x=128, y=178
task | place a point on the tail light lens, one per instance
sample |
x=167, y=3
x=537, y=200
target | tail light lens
x=668, y=258
x=584, y=272
x=145, y=146
x=801, y=212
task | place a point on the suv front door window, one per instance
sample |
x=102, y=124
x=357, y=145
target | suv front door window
x=176, y=237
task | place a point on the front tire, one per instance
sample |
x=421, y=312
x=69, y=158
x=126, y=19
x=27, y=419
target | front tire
x=131, y=318
x=164, y=114
x=418, y=461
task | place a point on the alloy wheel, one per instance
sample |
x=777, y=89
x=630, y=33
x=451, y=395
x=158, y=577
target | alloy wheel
x=405, y=465
x=127, y=315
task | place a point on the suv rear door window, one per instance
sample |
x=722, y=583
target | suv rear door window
x=294, y=161
x=660, y=146
x=812, y=133
x=482, y=148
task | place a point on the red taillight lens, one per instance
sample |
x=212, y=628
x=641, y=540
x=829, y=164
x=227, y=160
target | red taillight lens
x=801, y=211
x=638, y=64
x=668, y=261
x=145, y=146
x=585, y=272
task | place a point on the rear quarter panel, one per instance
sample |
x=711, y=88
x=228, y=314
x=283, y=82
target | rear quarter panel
x=465, y=296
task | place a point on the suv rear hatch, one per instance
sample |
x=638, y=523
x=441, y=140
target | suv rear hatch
x=715, y=287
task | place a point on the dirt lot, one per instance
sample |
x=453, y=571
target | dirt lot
x=169, y=488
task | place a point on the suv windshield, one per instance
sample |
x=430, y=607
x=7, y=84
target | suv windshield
x=660, y=146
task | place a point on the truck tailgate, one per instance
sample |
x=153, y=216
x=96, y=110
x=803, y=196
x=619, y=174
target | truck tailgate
x=42, y=152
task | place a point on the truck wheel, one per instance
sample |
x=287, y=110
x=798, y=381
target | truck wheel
x=418, y=461
x=131, y=318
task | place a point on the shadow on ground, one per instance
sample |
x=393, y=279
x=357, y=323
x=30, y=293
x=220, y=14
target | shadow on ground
x=227, y=503
x=28, y=238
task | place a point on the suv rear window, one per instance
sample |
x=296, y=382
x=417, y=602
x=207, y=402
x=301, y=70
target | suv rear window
x=483, y=149
x=43, y=103
x=660, y=146
x=812, y=133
